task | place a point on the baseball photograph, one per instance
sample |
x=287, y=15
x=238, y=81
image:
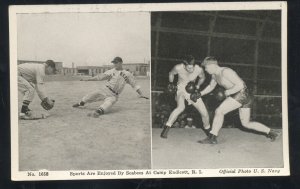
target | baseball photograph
x=217, y=89
x=84, y=88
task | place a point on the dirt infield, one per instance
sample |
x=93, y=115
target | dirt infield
x=236, y=149
x=69, y=140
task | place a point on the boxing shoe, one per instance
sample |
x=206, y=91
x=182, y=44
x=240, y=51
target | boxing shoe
x=164, y=133
x=210, y=139
x=206, y=131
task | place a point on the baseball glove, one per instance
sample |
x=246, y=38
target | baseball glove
x=195, y=96
x=47, y=103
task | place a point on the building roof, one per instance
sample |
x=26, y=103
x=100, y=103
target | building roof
x=110, y=66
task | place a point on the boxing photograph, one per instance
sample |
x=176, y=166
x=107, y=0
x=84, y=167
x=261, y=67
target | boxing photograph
x=217, y=94
x=82, y=90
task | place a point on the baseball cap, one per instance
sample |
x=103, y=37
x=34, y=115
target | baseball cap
x=117, y=60
x=209, y=60
x=51, y=63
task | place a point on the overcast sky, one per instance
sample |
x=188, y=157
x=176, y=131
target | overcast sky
x=84, y=38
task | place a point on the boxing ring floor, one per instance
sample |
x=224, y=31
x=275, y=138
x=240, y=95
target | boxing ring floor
x=235, y=149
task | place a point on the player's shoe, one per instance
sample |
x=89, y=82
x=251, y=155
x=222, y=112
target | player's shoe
x=210, y=139
x=78, y=105
x=164, y=133
x=206, y=131
x=272, y=135
x=93, y=114
x=26, y=116
x=96, y=113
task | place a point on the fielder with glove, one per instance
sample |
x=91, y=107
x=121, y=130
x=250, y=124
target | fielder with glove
x=31, y=79
x=187, y=72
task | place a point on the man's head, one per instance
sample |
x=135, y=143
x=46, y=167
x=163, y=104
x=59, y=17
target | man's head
x=50, y=68
x=189, y=63
x=210, y=64
x=117, y=61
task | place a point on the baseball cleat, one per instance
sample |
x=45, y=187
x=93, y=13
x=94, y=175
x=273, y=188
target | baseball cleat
x=78, y=105
x=94, y=114
x=32, y=116
x=25, y=116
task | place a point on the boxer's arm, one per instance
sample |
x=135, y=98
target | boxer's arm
x=172, y=74
x=210, y=87
x=201, y=79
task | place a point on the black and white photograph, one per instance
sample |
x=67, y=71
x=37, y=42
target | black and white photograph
x=217, y=89
x=136, y=91
x=83, y=91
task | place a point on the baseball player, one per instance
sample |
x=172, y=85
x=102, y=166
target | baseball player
x=116, y=78
x=187, y=72
x=31, y=79
x=237, y=97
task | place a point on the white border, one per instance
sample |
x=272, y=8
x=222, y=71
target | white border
x=154, y=173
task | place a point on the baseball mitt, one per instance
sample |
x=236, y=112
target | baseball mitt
x=47, y=103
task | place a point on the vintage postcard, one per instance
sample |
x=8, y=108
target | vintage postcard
x=117, y=91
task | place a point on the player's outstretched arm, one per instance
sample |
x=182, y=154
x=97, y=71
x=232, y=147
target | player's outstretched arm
x=141, y=95
x=99, y=77
x=132, y=82
x=209, y=87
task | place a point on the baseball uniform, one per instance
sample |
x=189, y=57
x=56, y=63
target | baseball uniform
x=31, y=78
x=117, y=79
